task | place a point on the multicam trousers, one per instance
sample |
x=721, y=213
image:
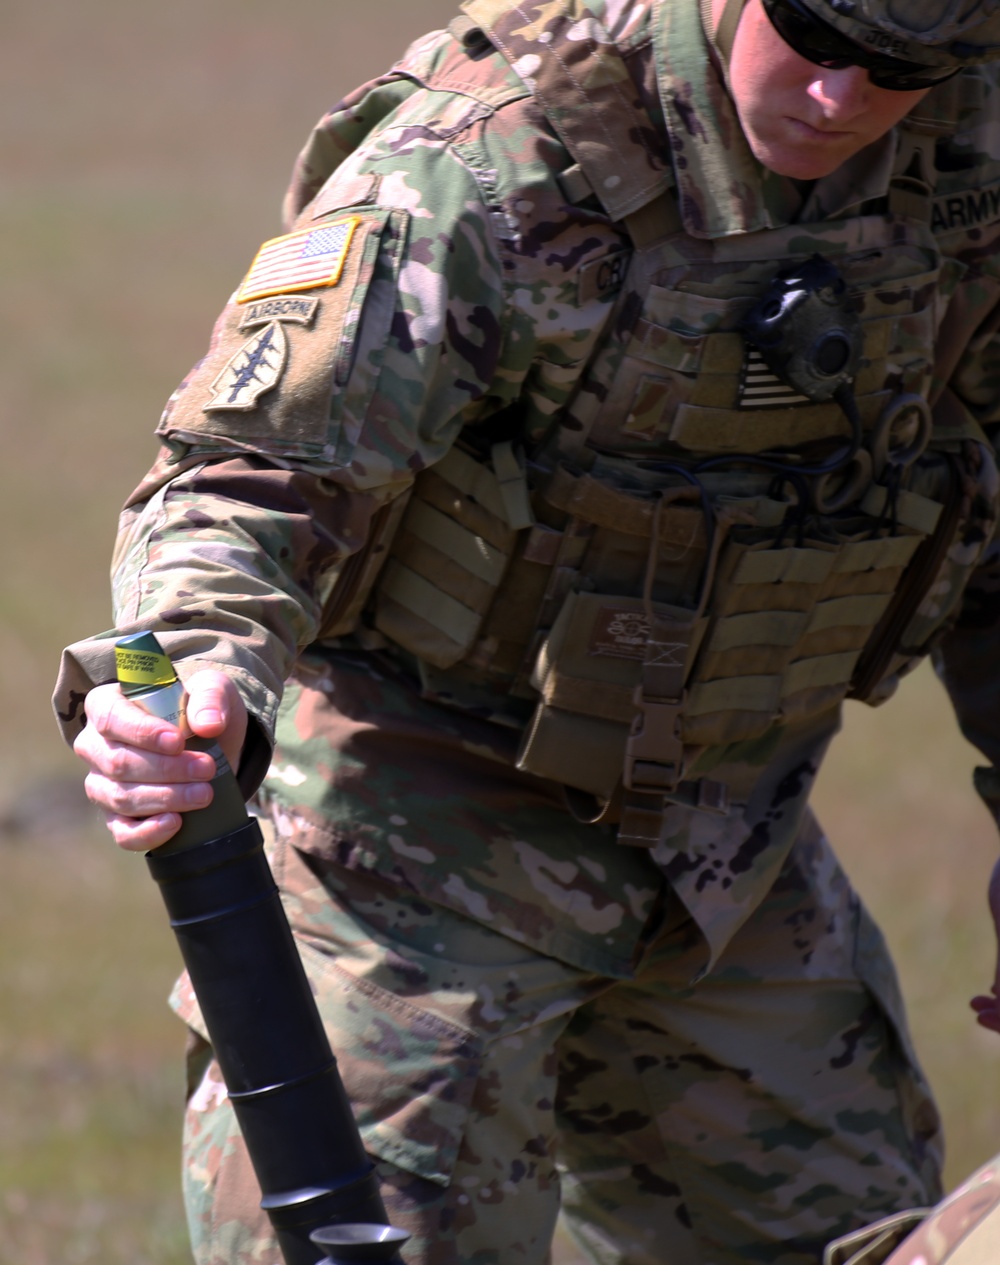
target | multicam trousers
x=749, y=1117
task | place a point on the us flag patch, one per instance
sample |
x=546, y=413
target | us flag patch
x=761, y=388
x=299, y=261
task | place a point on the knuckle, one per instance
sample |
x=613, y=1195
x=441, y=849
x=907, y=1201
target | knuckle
x=117, y=763
x=119, y=799
x=92, y=789
x=100, y=705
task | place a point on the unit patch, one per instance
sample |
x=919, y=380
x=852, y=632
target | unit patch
x=253, y=370
x=298, y=309
x=299, y=261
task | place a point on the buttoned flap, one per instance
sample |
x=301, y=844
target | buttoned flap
x=286, y=340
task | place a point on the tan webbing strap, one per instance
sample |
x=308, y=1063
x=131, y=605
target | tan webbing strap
x=656, y=220
x=472, y=552
x=474, y=479
x=827, y=669
x=784, y=566
x=917, y=512
x=575, y=185
x=735, y=694
x=914, y=177
x=591, y=698
x=439, y=610
x=725, y=34
x=597, y=502
x=876, y=555
x=655, y=756
x=578, y=76
x=862, y=610
x=757, y=628
x=513, y=486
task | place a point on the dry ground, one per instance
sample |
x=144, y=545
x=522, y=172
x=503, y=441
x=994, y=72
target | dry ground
x=144, y=153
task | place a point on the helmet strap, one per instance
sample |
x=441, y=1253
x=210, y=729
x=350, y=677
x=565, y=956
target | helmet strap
x=723, y=36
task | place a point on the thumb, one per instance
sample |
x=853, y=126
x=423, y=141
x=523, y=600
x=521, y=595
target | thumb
x=215, y=709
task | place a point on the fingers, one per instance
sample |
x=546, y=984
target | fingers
x=139, y=773
x=216, y=710
x=987, y=1010
x=142, y=834
x=122, y=745
x=115, y=719
x=146, y=799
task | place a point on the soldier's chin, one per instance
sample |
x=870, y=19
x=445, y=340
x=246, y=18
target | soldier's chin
x=802, y=153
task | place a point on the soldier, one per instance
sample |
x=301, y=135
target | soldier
x=617, y=401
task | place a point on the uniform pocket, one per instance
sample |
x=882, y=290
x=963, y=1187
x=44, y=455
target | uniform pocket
x=410, y=1074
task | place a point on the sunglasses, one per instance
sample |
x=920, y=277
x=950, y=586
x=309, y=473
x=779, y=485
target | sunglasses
x=824, y=45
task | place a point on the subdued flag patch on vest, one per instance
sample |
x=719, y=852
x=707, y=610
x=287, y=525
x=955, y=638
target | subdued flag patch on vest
x=254, y=369
x=299, y=261
x=761, y=388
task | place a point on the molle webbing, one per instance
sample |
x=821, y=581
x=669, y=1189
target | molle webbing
x=598, y=503
x=450, y=553
x=581, y=82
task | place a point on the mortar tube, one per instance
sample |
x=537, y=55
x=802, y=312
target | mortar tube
x=256, y=1002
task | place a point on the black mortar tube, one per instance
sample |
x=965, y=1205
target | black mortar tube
x=259, y=1011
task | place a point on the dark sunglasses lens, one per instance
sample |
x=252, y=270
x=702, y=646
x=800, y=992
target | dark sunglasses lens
x=907, y=77
x=823, y=45
x=806, y=36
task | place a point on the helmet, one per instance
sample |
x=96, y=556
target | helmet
x=932, y=32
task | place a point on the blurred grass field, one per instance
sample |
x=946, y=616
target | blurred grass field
x=145, y=150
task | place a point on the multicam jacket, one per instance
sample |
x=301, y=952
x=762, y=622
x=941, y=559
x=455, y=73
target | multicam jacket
x=498, y=351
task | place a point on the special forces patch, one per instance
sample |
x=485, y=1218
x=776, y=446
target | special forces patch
x=254, y=369
x=299, y=261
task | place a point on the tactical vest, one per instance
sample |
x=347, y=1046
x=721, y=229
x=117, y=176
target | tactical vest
x=685, y=564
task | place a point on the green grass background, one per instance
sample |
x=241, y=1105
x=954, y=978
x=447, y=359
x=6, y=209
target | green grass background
x=145, y=148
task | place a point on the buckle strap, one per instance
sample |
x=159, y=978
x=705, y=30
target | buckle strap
x=654, y=753
x=641, y=814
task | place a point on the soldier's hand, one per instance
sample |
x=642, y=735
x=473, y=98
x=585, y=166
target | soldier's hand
x=987, y=1008
x=139, y=775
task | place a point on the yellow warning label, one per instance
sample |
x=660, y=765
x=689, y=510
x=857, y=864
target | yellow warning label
x=142, y=667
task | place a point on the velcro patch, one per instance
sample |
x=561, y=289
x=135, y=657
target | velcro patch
x=300, y=261
x=254, y=369
x=603, y=277
x=298, y=309
x=973, y=208
x=270, y=375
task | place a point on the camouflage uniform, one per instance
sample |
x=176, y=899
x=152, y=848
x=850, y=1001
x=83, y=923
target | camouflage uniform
x=699, y=1040
x=963, y=1230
